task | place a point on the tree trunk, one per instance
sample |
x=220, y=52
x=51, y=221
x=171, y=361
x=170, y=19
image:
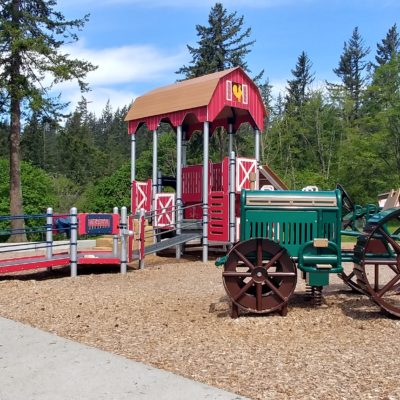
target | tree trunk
x=17, y=225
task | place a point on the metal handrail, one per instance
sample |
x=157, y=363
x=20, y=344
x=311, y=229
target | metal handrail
x=172, y=208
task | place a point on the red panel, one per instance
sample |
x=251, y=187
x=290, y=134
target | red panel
x=175, y=118
x=216, y=184
x=32, y=263
x=195, y=212
x=218, y=226
x=244, y=167
x=85, y=220
x=192, y=184
x=165, y=210
x=141, y=196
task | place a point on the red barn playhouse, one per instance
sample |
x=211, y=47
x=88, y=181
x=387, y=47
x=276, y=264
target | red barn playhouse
x=207, y=195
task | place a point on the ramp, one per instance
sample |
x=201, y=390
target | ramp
x=267, y=176
x=167, y=243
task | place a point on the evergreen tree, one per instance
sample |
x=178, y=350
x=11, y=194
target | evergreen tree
x=223, y=44
x=80, y=160
x=4, y=142
x=351, y=65
x=381, y=119
x=103, y=126
x=118, y=141
x=389, y=46
x=31, y=35
x=303, y=77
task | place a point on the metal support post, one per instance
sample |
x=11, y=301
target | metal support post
x=133, y=157
x=230, y=139
x=257, y=153
x=141, y=238
x=178, y=188
x=73, y=244
x=184, y=149
x=49, y=235
x=206, y=133
x=257, y=145
x=123, y=233
x=232, y=198
x=133, y=164
x=115, y=237
x=155, y=168
x=159, y=182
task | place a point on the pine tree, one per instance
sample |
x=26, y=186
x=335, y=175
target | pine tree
x=4, y=142
x=389, y=46
x=80, y=160
x=222, y=44
x=351, y=65
x=303, y=77
x=31, y=35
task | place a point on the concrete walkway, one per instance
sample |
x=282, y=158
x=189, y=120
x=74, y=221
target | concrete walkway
x=36, y=365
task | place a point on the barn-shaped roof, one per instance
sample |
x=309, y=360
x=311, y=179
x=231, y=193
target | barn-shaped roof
x=223, y=97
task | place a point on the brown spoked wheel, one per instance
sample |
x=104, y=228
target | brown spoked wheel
x=377, y=256
x=350, y=279
x=259, y=276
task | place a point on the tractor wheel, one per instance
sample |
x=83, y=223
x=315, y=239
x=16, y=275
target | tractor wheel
x=259, y=277
x=350, y=279
x=377, y=266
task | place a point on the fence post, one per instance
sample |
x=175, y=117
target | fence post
x=115, y=237
x=232, y=198
x=130, y=238
x=73, y=244
x=123, y=232
x=49, y=235
x=141, y=238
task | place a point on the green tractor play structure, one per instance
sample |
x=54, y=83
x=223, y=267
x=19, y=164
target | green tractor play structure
x=281, y=231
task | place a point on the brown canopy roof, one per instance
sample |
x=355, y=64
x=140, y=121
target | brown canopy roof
x=192, y=93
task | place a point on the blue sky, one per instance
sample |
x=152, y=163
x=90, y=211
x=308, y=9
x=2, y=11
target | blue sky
x=139, y=44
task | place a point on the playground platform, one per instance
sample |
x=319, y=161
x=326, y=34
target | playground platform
x=37, y=365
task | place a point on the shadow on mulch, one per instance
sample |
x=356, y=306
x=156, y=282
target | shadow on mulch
x=353, y=305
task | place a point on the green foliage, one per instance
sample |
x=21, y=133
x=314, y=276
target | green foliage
x=67, y=193
x=38, y=189
x=38, y=194
x=4, y=143
x=389, y=47
x=109, y=192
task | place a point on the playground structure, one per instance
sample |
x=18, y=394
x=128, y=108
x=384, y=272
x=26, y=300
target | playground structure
x=205, y=205
x=240, y=204
x=281, y=231
x=56, y=254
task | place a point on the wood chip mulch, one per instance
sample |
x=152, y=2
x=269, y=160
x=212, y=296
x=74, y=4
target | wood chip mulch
x=175, y=316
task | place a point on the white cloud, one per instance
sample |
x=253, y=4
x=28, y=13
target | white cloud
x=97, y=99
x=119, y=66
x=127, y=63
